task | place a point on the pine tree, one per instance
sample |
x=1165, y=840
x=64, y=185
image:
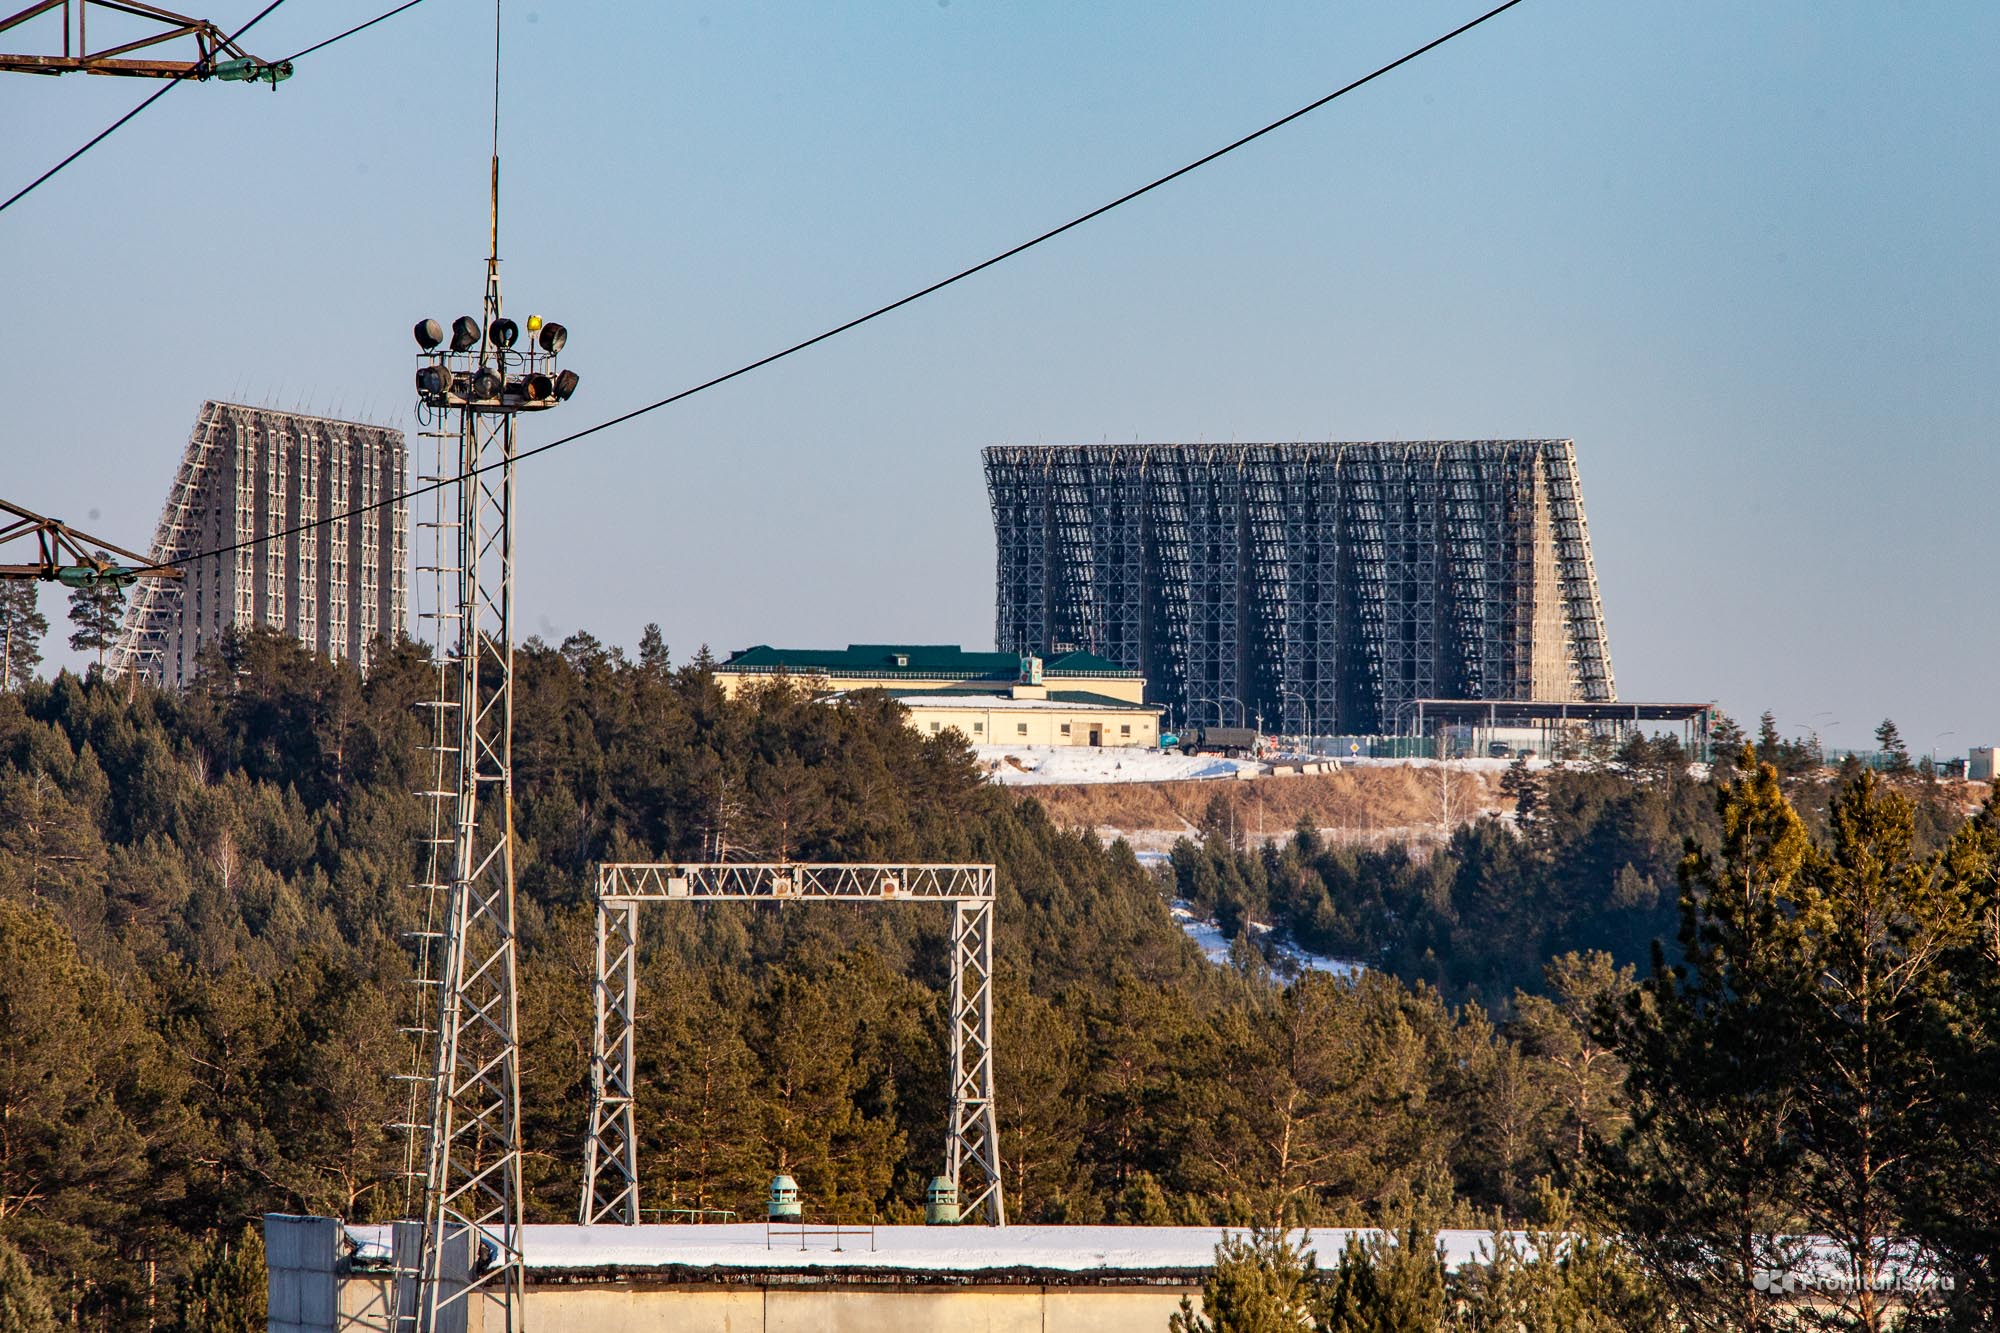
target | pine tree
x=1560, y=1276
x=96, y=1130
x=1890, y=741
x=1877, y=921
x=1726, y=739
x=1390, y=1281
x=227, y=1291
x=22, y=626
x=1584, y=1076
x=1701, y=1181
x=24, y=1298
x=653, y=655
x=96, y=609
x=1769, y=743
x=1261, y=1283
x=1950, y=1193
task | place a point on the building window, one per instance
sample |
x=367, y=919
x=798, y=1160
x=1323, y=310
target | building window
x=934, y=727
x=1065, y=728
x=978, y=728
x=1020, y=728
x=1125, y=730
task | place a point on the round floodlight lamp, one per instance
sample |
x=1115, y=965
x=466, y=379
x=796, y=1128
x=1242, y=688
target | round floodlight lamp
x=429, y=334
x=565, y=385
x=433, y=381
x=538, y=388
x=485, y=384
x=464, y=333
x=553, y=337
x=503, y=332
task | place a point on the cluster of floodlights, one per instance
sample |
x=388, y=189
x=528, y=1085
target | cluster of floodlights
x=461, y=375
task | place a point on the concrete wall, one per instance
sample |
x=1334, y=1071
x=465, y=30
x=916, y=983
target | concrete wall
x=631, y=1307
x=301, y=1258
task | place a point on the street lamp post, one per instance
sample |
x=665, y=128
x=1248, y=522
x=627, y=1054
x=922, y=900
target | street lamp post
x=1285, y=692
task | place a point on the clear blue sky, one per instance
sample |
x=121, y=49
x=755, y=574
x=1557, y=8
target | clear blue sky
x=1745, y=255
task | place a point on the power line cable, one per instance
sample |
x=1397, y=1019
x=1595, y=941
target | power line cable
x=874, y=314
x=359, y=27
x=184, y=75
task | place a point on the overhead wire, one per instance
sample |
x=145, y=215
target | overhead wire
x=187, y=74
x=874, y=314
x=165, y=88
x=359, y=27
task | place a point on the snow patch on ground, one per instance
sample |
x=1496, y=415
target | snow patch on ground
x=1214, y=946
x=1028, y=765
x=1286, y=957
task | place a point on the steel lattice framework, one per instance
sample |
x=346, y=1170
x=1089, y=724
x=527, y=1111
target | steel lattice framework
x=472, y=1191
x=1321, y=586
x=972, y=1134
x=313, y=546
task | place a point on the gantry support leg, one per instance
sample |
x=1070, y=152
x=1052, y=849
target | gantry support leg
x=611, y=1150
x=972, y=1134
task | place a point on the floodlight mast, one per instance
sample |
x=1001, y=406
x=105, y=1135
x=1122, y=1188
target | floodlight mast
x=467, y=1026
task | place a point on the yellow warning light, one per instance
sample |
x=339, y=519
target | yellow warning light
x=534, y=323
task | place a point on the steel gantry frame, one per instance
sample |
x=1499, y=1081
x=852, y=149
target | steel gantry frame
x=1325, y=586
x=972, y=1134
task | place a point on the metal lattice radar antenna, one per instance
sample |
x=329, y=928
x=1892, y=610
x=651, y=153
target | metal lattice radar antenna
x=473, y=381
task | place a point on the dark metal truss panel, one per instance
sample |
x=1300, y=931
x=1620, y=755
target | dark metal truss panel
x=1323, y=587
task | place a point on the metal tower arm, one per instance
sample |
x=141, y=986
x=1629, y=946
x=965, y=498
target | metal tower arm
x=218, y=56
x=66, y=554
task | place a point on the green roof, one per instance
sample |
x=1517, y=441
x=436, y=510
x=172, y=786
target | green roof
x=933, y=660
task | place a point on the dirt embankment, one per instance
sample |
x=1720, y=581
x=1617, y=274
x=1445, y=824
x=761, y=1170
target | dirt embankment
x=1371, y=804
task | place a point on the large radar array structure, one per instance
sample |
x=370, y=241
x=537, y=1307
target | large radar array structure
x=471, y=386
x=972, y=1133
x=134, y=52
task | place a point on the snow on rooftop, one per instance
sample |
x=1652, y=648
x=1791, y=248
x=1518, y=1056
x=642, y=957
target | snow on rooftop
x=963, y=1249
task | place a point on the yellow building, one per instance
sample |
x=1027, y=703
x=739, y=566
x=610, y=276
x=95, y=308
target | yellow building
x=989, y=698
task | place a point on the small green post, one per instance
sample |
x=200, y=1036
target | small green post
x=941, y=1203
